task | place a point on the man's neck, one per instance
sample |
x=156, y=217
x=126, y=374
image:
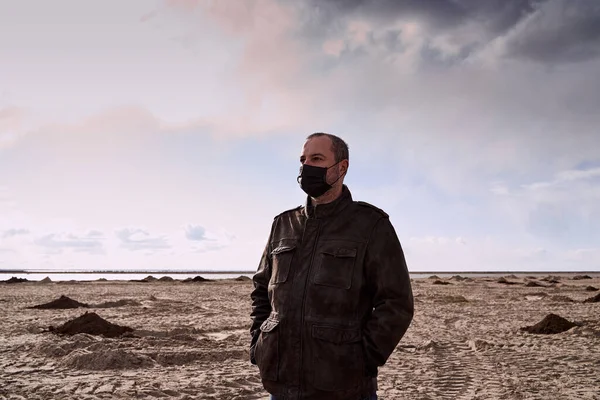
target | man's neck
x=328, y=197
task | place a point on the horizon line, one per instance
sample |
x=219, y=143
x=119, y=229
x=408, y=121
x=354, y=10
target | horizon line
x=41, y=271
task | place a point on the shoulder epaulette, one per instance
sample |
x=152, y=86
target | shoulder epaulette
x=379, y=210
x=287, y=211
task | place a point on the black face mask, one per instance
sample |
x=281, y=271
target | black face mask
x=313, y=180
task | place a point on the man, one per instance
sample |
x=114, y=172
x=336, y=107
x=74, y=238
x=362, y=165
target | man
x=332, y=295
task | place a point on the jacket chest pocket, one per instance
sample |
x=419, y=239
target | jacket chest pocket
x=282, y=255
x=335, y=265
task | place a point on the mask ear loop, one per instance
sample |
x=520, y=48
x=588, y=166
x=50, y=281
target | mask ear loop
x=338, y=178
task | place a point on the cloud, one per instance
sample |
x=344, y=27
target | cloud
x=135, y=239
x=546, y=31
x=11, y=125
x=89, y=243
x=563, y=177
x=565, y=208
x=14, y=232
x=195, y=233
x=558, y=31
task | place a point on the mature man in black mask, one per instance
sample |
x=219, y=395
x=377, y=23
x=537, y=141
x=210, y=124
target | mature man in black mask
x=332, y=295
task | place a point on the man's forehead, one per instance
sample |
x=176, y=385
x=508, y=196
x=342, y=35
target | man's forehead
x=317, y=145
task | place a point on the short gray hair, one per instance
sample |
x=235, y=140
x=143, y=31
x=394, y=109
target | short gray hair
x=338, y=146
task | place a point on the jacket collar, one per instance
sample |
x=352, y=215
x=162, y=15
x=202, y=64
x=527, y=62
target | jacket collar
x=329, y=209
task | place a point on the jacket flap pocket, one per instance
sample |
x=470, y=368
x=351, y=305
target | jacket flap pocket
x=340, y=252
x=346, y=252
x=282, y=249
x=269, y=324
x=336, y=335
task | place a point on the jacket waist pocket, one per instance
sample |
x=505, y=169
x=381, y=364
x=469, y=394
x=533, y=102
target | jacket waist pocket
x=267, y=348
x=337, y=358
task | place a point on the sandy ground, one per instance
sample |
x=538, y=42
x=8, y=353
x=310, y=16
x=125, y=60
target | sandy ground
x=190, y=342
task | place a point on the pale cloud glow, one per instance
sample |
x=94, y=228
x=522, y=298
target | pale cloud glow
x=166, y=134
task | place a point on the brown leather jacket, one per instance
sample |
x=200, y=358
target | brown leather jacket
x=332, y=298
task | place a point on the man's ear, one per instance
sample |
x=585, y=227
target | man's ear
x=344, y=165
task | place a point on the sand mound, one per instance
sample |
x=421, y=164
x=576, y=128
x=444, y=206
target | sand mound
x=166, y=279
x=46, y=280
x=533, y=284
x=580, y=277
x=118, y=303
x=53, y=349
x=591, y=289
x=105, y=360
x=434, y=277
x=561, y=299
x=15, y=280
x=149, y=278
x=63, y=302
x=451, y=299
x=595, y=299
x=457, y=278
x=440, y=282
x=196, y=279
x=551, y=324
x=242, y=278
x=551, y=279
x=505, y=282
x=93, y=324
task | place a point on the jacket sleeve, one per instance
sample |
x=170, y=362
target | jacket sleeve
x=261, y=306
x=389, y=285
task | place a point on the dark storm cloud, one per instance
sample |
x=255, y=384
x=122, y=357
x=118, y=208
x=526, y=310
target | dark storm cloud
x=560, y=31
x=497, y=15
x=439, y=12
x=545, y=31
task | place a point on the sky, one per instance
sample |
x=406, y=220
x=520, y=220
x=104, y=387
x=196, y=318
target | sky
x=166, y=134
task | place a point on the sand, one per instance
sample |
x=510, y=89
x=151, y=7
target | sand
x=189, y=341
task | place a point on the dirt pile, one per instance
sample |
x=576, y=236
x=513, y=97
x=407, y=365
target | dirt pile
x=551, y=324
x=92, y=324
x=15, y=280
x=440, y=282
x=595, y=299
x=551, y=279
x=196, y=279
x=84, y=359
x=581, y=277
x=451, y=299
x=533, y=284
x=46, y=280
x=63, y=302
x=242, y=278
x=591, y=289
x=166, y=279
x=561, y=299
x=505, y=282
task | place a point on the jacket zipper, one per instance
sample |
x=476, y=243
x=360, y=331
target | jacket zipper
x=304, y=302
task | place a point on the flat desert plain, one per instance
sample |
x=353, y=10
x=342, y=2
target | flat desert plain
x=190, y=341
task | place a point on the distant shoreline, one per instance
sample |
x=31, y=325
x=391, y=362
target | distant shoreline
x=180, y=272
